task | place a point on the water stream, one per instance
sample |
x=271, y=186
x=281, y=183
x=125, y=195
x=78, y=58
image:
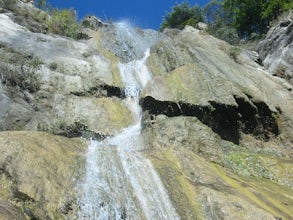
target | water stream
x=120, y=183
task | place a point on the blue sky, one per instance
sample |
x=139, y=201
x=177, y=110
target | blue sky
x=143, y=13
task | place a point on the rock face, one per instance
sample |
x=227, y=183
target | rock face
x=196, y=77
x=217, y=127
x=8, y=211
x=206, y=113
x=93, y=23
x=276, y=50
x=38, y=173
x=72, y=74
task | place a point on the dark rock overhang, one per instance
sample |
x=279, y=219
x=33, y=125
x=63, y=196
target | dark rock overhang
x=228, y=121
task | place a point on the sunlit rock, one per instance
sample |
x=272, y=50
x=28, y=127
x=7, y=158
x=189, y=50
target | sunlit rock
x=39, y=172
x=174, y=125
x=276, y=50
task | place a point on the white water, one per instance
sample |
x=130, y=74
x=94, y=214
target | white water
x=120, y=183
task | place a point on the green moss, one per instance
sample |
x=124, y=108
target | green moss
x=248, y=165
x=263, y=193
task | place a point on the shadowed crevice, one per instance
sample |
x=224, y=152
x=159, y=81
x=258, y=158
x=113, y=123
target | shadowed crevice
x=226, y=120
x=102, y=91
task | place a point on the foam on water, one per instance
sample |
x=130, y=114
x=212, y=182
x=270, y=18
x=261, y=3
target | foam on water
x=120, y=183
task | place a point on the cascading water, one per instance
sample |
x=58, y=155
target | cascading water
x=120, y=183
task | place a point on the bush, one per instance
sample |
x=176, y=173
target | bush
x=53, y=66
x=61, y=21
x=19, y=70
x=8, y=4
x=64, y=22
x=227, y=34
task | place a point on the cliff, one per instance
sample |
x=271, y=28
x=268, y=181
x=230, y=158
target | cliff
x=216, y=125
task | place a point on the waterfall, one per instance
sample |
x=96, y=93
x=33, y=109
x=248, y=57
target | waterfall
x=120, y=183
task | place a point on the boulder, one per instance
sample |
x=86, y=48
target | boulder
x=202, y=26
x=93, y=23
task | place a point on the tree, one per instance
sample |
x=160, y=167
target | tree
x=272, y=9
x=246, y=16
x=254, y=16
x=219, y=22
x=181, y=15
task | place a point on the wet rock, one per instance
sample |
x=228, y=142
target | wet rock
x=127, y=42
x=276, y=49
x=217, y=127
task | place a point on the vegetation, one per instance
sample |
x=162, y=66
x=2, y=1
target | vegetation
x=61, y=21
x=8, y=4
x=19, y=70
x=53, y=66
x=248, y=165
x=220, y=22
x=181, y=15
x=251, y=16
x=234, y=52
x=64, y=22
x=229, y=20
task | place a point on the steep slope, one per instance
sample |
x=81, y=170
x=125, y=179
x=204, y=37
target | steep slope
x=195, y=76
x=217, y=128
x=49, y=81
x=39, y=173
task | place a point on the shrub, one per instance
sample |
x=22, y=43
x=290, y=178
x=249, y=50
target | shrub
x=19, y=70
x=53, y=66
x=227, y=34
x=61, y=21
x=64, y=22
x=8, y=4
